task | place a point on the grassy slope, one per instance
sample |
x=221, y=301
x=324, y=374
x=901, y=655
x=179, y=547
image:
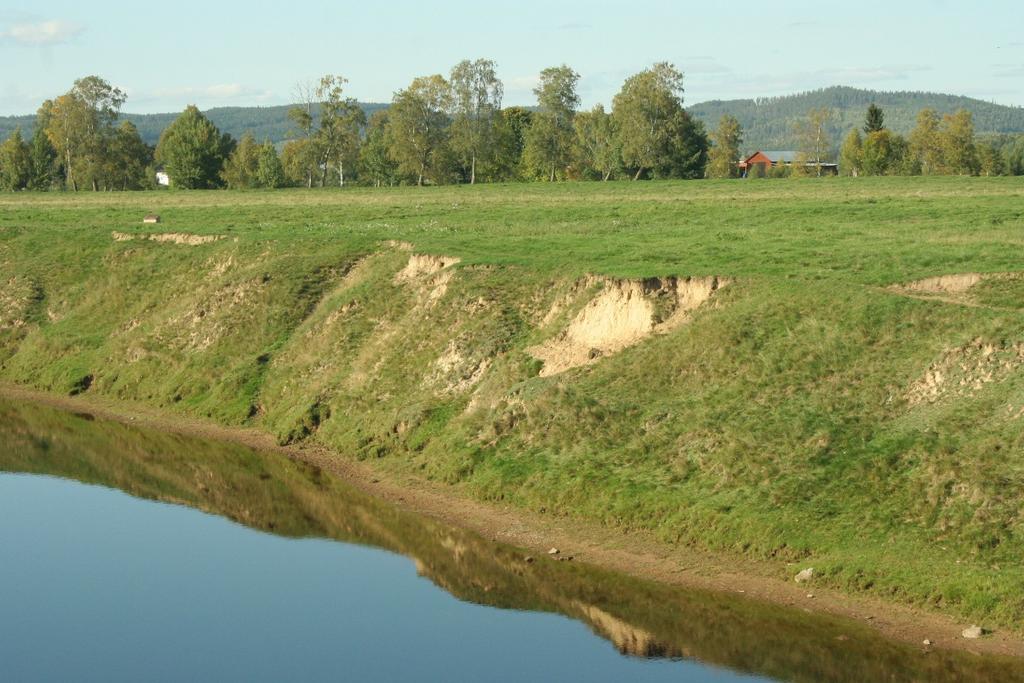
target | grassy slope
x=775, y=424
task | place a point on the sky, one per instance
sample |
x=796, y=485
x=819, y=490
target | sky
x=171, y=53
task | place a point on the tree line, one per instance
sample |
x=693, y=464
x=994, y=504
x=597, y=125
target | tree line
x=938, y=145
x=438, y=130
x=455, y=129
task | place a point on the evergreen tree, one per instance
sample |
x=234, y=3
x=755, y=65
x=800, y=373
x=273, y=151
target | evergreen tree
x=875, y=119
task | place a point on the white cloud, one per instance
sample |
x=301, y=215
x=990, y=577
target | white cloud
x=42, y=33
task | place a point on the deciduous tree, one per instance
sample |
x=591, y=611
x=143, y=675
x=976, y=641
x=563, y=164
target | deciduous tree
x=511, y=130
x=926, y=142
x=193, y=151
x=240, y=167
x=375, y=162
x=990, y=159
x=549, y=139
x=685, y=154
x=418, y=128
x=341, y=122
x=957, y=142
x=475, y=108
x=880, y=153
x=80, y=125
x=643, y=110
x=15, y=162
x=724, y=155
x=43, y=159
x=269, y=171
x=851, y=154
x=128, y=159
x=597, y=149
x=814, y=137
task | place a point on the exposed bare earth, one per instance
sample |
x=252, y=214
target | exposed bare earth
x=637, y=554
x=172, y=237
x=621, y=315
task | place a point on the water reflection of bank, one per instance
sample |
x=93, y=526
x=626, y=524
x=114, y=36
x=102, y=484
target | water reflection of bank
x=641, y=618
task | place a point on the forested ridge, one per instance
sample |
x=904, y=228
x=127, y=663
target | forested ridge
x=265, y=123
x=767, y=121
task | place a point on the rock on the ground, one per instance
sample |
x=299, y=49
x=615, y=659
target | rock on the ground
x=973, y=632
x=553, y=551
x=805, y=575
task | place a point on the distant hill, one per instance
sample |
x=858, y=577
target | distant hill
x=265, y=123
x=768, y=122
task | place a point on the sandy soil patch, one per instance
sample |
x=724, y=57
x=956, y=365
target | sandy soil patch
x=168, y=237
x=623, y=313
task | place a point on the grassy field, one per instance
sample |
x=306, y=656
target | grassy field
x=819, y=409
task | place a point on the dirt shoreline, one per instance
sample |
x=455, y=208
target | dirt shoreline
x=636, y=554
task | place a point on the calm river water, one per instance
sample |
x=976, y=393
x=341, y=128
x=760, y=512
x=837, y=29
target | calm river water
x=128, y=554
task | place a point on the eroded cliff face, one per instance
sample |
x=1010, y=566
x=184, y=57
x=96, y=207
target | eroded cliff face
x=622, y=313
x=364, y=348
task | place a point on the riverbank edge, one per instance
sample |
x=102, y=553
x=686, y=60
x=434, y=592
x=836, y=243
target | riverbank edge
x=636, y=554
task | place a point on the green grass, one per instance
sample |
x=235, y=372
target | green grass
x=779, y=423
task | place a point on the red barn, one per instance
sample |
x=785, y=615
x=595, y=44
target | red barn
x=760, y=162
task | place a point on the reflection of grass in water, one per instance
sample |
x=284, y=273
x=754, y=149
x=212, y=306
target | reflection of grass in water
x=641, y=618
